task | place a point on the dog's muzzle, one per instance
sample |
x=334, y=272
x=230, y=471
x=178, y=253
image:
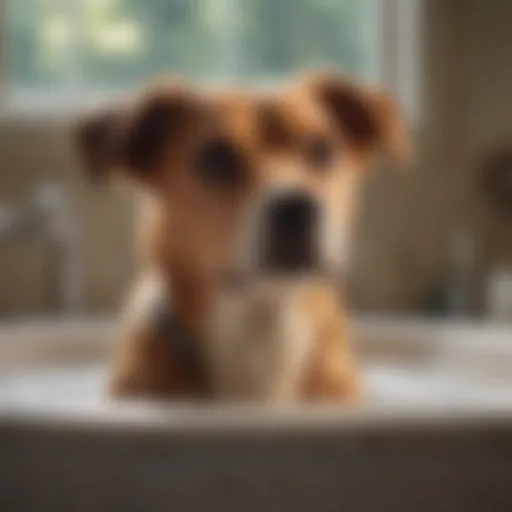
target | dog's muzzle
x=290, y=222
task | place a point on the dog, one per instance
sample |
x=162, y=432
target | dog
x=247, y=199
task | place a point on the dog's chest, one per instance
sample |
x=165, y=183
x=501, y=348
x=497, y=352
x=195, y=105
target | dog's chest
x=259, y=345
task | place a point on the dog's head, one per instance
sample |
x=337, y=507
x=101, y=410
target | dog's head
x=249, y=183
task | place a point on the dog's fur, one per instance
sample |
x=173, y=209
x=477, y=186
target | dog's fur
x=270, y=339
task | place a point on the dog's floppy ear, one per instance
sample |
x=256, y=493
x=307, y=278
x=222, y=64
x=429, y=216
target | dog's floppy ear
x=368, y=118
x=94, y=136
x=133, y=136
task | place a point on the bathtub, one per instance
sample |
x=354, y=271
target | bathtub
x=435, y=432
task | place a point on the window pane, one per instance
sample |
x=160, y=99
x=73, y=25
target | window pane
x=108, y=43
x=290, y=35
x=124, y=41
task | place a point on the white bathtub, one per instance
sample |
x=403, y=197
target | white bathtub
x=434, y=434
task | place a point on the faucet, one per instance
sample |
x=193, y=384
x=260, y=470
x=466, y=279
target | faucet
x=49, y=216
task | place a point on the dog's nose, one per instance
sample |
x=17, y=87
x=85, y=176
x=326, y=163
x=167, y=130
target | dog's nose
x=292, y=214
x=289, y=238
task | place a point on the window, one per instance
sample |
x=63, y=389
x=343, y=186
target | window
x=76, y=46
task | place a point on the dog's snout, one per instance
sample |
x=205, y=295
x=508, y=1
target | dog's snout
x=289, y=232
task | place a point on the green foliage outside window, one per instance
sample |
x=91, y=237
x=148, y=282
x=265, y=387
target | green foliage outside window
x=115, y=43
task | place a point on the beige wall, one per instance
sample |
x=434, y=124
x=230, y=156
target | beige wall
x=490, y=106
x=407, y=220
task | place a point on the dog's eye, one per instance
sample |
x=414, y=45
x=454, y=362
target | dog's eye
x=319, y=151
x=219, y=163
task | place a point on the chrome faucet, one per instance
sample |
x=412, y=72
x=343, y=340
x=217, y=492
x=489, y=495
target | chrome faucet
x=49, y=216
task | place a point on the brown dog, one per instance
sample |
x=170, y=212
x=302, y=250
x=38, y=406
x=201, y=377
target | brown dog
x=247, y=209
